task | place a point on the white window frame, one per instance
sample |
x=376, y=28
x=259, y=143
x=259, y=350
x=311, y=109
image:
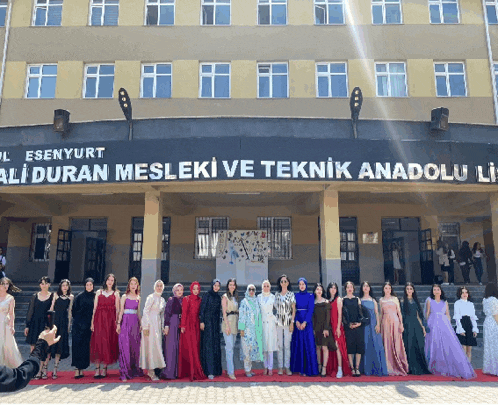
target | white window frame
x=389, y=74
x=158, y=3
x=46, y=5
x=447, y=75
x=329, y=79
x=270, y=75
x=495, y=76
x=271, y=238
x=326, y=4
x=441, y=14
x=270, y=3
x=211, y=250
x=215, y=3
x=4, y=4
x=40, y=76
x=154, y=76
x=212, y=75
x=97, y=75
x=102, y=6
x=384, y=15
x=34, y=237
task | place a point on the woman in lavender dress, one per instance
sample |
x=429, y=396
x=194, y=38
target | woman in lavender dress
x=445, y=355
x=128, y=328
x=171, y=341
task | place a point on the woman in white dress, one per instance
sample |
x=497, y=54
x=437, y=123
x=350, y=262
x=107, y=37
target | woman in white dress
x=490, y=309
x=266, y=302
x=9, y=352
x=151, y=351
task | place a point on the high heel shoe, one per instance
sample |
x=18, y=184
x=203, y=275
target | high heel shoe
x=54, y=372
x=44, y=372
x=97, y=373
x=104, y=372
x=324, y=372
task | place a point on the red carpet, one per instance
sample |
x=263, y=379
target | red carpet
x=67, y=377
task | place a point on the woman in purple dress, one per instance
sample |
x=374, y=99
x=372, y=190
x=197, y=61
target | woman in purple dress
x=128, y=328
x=445, y=355
x=171, y=341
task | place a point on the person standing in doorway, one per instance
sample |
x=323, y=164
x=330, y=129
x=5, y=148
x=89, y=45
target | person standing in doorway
x=465, y=261
x=478, y=255
x=398, y=267
x=444, y=262
x=451, y=262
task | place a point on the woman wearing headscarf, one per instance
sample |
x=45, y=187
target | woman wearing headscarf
x=190, y=338
x=266, y=302
x=171, y=331
x=151, y=351
x=251, y=329
x=303, y=350
x=210, y=317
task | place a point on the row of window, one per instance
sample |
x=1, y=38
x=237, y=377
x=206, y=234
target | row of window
x=272, y=80
x=270, y=12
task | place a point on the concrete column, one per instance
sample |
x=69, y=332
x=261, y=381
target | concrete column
x=493, y=261
x=58, y=222
x=152, y=243
x=330, y=238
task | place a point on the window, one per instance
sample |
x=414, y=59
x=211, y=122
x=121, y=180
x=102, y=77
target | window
x=273, y=80
x=3, y=11
x=156, y=80
x=160, y=12
x=99, y=81
x=279, y=234
x=443, y=11
x=215, y=12
x=47, y=13
x=329, y=12
x=104, y=12
x=41, y=81
x=215, y=80
x=491, y=7
x=206, y=235
x=40, y=242
x=450, y=80
x=495, y=68
x=449, y=232
x=391, y=79
x=386, y=11
x=272, y=12
x=331, y=80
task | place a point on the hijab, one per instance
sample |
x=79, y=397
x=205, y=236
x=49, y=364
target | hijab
x=175, y=288
x=155, y=285
x=211, y=292
x=248, y=297
x=306, y=283
x=192, y=295
x=263, y=290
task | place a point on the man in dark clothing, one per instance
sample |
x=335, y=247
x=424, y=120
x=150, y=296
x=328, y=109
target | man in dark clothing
x=14, y=379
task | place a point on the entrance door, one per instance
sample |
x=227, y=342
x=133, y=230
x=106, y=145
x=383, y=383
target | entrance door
x=392, y=244
x=426, y=256
x=95, y=259
x=349, y=250
x=63, y=256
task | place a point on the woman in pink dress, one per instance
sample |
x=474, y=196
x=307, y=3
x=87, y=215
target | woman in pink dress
x=392, y=332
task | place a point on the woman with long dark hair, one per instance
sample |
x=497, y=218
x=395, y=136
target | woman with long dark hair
x=285, y=306
x=490, y=326
x=478, y=254
x=355, y=339
x=324, y=339
x=464, y=314
x=229, y=326
x=465, y=261
x=10, y=355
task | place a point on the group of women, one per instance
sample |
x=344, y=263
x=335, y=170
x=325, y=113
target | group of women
x=316, y=333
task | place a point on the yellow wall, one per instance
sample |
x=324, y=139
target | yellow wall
x=361, y=73
x=415, y=12
x=471, y=12
x=75, y=13
x=185, y=79
x=244, y=78
x=131, y=12
x=300, y=12
x=22, y=13
x=420, y=75
x=127, y=75
x=302, y=78
x=187, y=12
x=15, y=80
x=478, y=78
x=244, y=12
x=69, y=79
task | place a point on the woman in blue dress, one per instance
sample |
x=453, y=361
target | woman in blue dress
x=374, y=360
x=303, y=350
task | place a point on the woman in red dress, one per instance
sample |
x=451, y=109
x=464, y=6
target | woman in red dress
x=104, y=342
x=336, y=365
x=189, y=363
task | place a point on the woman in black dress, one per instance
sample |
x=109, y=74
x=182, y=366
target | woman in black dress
x=355, y=338
x=82, y=318
x=210, y=317
x=322, y=328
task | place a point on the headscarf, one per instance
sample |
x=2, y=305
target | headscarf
x=263, y=290
x=192, y=290
x=248, y=297
x=216, y=280
x=306, y=283
x=155, y=284
x=176, y=287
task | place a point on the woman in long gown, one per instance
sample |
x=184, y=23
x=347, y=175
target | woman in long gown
x=251, y=330
x=229, y=325
x=151, y=351
x=171, y=331
x=444, y=353
x=190, y=338
x=374, y=359
x=81, y=333
x=414, y=332
x=10, y=355
x=490, y=326
x=303, y=350
x=210, y=326
x=266, y=302
x=392, y=332
x=338, y=360
x=104, y=342
x=355, y=339
x=322, y=329
x=128, y=329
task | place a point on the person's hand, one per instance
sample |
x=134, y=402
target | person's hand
x=424, y=331
x=358, y=324
x=298, y=325
x=146, y=332
x=92, y=328
x=475, y=334
x=49, y=336
x=182, y=330
x=291, y=327
x=202, y=326
x=325, y=333
x=401, y=328
x=13, y=330
x=228, y=331
x=351, y=326
x=241, y=333
x=166, y=330
x=338, y=332
x=462, y=334
x=303, y=325
x=26, y=331
x=377, y=329
x=118, y=329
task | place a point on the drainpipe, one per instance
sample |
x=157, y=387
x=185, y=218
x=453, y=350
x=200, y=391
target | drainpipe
x=490, y=57
x=5, y=46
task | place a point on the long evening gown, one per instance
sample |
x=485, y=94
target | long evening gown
x=444, y=353
x=413, y=338
x=9, y=352
x=104, y=342
x=373, y=362
x=340, y=341
x=81, y=333
x=396, y=361
x=61, y=320
x=129, y=342
x=151, y=348
x=490, y=326
x=36, y=318
x=171, y=342
x=210, y=315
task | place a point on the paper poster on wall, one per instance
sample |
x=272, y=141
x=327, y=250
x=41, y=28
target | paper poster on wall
x=243, y=255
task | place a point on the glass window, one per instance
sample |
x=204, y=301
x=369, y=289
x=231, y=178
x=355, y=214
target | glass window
x=3, y=11
x=214, y=80
x=273, y=80
x=40, y=242
x=279, y=233
x=450, y=79
x=443, y=11
x=104, y=12
x=331, y=79
x=391, y=79
x=272, y=12
x=386, y=11
x=99, y=81
x=328, y=12
x=156, y=80
x=47, y=13
x=160, y=12
x=207, y=230
x=41, y=81
x=215, y=12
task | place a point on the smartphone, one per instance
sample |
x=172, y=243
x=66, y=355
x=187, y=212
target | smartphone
x=49, y=321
